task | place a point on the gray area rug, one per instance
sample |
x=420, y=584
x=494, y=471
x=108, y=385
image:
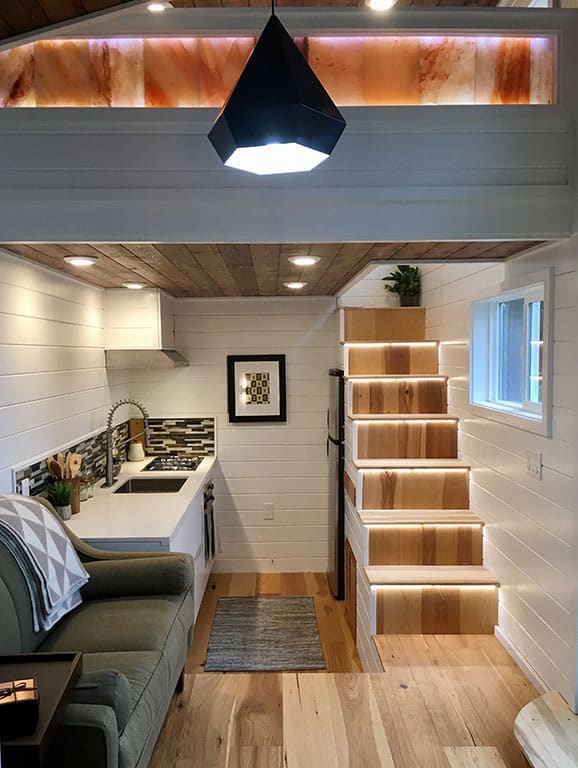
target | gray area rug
x=264, y=634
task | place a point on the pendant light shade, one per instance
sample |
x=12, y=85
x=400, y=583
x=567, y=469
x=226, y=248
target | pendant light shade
x=278, y=118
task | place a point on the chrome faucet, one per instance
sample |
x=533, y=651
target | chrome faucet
x=110, y=429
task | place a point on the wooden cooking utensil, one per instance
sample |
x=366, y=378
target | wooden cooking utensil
x=60, y=460
x=74, y=462
x=54, y=468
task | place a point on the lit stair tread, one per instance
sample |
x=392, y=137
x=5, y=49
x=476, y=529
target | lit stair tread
x=419, y=516
x=401, y=417
x=410, y=575
x=384, y=342
x=547, y=731
x=409, y=464
x=393, y=376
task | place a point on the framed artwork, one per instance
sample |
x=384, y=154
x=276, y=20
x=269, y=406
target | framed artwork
x=256, y=388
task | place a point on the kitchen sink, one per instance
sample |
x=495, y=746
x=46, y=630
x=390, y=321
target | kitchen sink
x=152, y=485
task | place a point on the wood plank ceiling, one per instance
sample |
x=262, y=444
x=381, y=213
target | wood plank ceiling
x=18, y=17
x=248, y=269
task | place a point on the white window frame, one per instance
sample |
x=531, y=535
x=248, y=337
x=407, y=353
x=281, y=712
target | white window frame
x=483, y=356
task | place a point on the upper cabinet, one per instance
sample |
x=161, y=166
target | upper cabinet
x=142, y=319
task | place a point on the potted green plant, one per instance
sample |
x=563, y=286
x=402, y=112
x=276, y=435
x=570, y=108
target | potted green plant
x=406, y=283
x=59, y=495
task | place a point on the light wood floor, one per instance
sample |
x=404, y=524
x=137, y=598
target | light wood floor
x=336, y=638
x=443, y=701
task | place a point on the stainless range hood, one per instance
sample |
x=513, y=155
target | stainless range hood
x=144, y=358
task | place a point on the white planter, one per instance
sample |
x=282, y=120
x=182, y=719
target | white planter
x=64, y=512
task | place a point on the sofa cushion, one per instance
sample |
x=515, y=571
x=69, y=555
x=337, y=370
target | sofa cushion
x=105, y=686
x=123, y=624
x=151, y=685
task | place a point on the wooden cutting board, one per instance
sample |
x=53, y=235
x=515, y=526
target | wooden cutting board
x=136, y=427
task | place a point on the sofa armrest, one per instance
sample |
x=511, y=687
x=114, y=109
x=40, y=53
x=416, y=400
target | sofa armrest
x=171, y=575
x=87, y=735
x=105, y=686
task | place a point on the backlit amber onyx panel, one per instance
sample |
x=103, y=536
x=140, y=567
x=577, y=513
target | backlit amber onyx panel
x=383, y=70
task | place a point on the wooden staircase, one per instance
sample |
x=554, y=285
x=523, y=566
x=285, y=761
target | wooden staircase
x=414, y=548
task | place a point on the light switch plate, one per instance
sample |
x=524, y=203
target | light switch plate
x=268, y=511
x=534, y=464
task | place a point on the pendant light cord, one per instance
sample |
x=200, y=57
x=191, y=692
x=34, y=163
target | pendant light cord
x=272, y=7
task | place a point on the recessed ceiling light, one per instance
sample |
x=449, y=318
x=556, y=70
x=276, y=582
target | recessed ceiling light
x=304, y=261
x=158, y=7
x=81, y=261
x=295, y=286
x=381, y=5
x=134, y=286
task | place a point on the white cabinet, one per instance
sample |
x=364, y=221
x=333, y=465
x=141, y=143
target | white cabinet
x=188, y=536
x=142, y=319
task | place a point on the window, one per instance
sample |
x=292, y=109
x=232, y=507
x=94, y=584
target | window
x=508, y=356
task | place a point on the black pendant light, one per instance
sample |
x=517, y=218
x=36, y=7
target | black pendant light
x=278, y=117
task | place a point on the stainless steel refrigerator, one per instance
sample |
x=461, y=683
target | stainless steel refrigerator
x=336, y=455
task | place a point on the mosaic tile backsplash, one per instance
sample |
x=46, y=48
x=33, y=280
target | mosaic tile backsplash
x=192, y=436
x=188, y=435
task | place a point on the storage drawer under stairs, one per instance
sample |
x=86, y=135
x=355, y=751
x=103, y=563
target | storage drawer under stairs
x=397, y=394
x=405, y=438
x=433, y=600
x=392, y=358
x=407, y=485
x=419, y=543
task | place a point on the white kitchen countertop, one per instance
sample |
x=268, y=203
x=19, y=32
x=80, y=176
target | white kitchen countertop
x=138, y=515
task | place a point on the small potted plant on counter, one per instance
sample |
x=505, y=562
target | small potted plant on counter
x=406, y=282
x=59, y=495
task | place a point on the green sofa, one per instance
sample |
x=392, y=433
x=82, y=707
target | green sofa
x=134, y=628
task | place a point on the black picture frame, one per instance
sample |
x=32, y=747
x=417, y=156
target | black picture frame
x=236, y=414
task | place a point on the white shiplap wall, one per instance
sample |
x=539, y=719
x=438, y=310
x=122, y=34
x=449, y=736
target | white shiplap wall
x=530, y=525
x=368, y=290
x=54, y=388
x=284, y=464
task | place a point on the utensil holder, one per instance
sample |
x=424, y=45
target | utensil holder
x=75, y=498
x=136, y=452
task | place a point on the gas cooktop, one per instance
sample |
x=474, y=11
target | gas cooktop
x=173, y=462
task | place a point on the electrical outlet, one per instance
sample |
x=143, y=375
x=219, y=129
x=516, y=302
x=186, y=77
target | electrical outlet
x=534, y=464
x=268, y=511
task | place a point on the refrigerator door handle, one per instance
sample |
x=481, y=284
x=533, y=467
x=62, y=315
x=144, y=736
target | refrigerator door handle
x=327, y=447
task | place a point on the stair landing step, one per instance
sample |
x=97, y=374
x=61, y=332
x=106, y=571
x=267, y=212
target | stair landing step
x=401, y=417
x=445, y=650
x=410, y=464
x=427, y=575
x=419, y=517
